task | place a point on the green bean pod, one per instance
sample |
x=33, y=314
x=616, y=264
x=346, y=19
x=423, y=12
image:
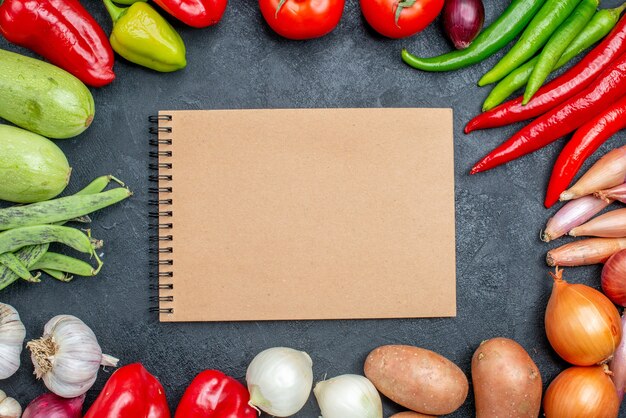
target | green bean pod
x=65, y=264
x=16, y=238
x=61, y=209
x=59, y=275
x=535, y=36
x=600, y=25
x=557, y=44
x=16, y=266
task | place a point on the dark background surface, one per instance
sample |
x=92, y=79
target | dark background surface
x=503, y=283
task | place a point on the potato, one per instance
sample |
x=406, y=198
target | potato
x=410, y=414
x=417, y=379
x=506, y=381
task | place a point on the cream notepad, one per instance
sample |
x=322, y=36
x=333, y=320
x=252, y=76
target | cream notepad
x=306, y=214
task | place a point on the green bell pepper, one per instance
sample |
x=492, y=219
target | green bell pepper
x=141, y=35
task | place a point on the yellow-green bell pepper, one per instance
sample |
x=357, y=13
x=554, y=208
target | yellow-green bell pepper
x=141, y=35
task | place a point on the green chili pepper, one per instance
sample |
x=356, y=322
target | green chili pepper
x=599, y=26
x=141, y=35
x=538, y=32
x=557, y=44
x=65, y=264
x=491, y=40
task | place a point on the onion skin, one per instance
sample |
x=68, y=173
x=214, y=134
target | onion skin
x=506, y=381
x=585, y=252
x=609, y=171
x=582, y=325
x=614, y=278
x=571, y=215
x=463, y=21
x=581, y=392
x=50, y=405
x=616, y=193
x=618, y=365
x=609, y=225
x=411, y=414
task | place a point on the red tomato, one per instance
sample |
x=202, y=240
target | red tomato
x=400, y=18
x=302, y=19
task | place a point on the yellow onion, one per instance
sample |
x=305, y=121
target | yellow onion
x=581, y=392
x=582, y=324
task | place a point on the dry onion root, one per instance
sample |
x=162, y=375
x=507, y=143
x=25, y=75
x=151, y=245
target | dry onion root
x=585, y=252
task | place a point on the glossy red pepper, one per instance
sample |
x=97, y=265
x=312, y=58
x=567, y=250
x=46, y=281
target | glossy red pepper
x=561, y=88
x=563, y=119
x=195, y=13
x=131, y=392
x=585, y=142
x=212, y=394
x=64, y=33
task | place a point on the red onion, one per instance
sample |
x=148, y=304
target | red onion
x=614, y=278
x=50, y=405
x=463, y=20
x=618, y=365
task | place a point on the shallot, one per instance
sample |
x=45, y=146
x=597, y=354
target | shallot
x=618, y=364
x=585, y=252
x=616, y=193
x=609, y=171
x=571, y=215
x=609, y=225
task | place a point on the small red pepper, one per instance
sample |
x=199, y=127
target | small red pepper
x=212, y=394
x=131, y=392
x=64, y=33
x=195, y=13
x=560, y=89
x=585, y=142
x=561, y=120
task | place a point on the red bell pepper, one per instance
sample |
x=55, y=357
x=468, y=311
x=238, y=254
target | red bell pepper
x=195, y=13
x=561, y=88
x=64, y=33
x=212, y=394
x=131, y=392
x=585, y=142
x=561, y=120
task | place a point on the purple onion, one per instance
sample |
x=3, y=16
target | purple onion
x=50, y=405
x=618, y=364
x=463, y=20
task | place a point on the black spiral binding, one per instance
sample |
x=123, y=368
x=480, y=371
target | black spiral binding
x=160, y=240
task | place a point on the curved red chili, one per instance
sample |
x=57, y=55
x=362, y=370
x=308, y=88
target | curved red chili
x=561, y=120
x=64, y=33
x=195, y=13
x=585, y=142
x=560, y=89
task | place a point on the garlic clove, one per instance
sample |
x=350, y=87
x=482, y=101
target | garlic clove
x=12, y=335
x=9, y=407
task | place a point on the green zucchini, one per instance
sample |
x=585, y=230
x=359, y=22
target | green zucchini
x=32, y=168
x=43, y=98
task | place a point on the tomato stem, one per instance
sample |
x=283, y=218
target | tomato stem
x=280, y=6
x=401, y=6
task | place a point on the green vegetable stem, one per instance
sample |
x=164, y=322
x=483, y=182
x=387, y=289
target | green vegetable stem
x=600, y=25
x=489, y=41
x=141, y=35
x=558, y=43
x=538, y=32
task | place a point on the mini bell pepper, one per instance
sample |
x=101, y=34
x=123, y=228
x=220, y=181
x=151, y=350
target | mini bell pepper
x=195, y=13
x=63, y=32
x=131, y=392
x=141, y=35
x=212, y=394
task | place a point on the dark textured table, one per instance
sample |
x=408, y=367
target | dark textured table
x=503, y=283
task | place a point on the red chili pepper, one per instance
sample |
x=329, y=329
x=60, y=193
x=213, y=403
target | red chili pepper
x=560, y=89
x=131, y=392
x=63, y=32
x=195, y=13
x=585, y=142
x=561, y=120
x=212, y=394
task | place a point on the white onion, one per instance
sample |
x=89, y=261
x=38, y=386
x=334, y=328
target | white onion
x=348, y=396
x=280, y=380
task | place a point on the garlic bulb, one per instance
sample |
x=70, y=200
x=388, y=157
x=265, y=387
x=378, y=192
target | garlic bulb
x=9, y=407
x=12, y=334
x=280, y=380
x=68, y=356
x=348, y=396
